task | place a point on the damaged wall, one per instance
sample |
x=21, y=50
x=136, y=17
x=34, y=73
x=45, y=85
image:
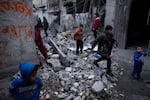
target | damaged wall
x=16, y=33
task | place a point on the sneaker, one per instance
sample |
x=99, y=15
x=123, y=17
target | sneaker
x=77, y=52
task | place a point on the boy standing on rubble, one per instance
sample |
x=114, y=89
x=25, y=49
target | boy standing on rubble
x=138, y=63
x=78, y=36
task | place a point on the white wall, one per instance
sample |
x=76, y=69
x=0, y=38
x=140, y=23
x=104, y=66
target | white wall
x=110, y=12
x=38, y=3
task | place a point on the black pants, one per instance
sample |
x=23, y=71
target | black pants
x=79, y=44
x=95, y=33
x=45, y=31
x=108, y=62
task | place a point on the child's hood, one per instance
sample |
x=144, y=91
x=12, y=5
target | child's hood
x=26, y=70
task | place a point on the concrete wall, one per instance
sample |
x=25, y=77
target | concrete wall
x=110, y=12
x=39, y=3
x=16, y=33
x=50, y=18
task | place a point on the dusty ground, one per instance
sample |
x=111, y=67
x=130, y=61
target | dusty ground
x=133, y=89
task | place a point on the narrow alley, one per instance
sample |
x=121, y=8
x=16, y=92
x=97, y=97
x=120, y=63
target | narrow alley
x=43, y=32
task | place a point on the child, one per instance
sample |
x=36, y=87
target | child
x=96, y=24
x=28, y=86
x=138, y=63
x=78, y=36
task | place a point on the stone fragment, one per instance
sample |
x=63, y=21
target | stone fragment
x=98, y=86
x=62, y=96
x=76, y=84
x=77, y=98
x=69, y=97
x=66, y=76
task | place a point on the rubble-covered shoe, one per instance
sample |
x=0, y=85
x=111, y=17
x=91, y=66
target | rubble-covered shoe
x=77, y=52
x=81, y=52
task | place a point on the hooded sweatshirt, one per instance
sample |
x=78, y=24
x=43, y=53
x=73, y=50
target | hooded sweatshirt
x=139, y=58
x=21, y=88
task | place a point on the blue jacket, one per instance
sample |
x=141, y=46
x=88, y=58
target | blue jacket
x=21, y=88
x=139, y=58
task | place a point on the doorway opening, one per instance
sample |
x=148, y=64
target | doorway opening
x=138, y=33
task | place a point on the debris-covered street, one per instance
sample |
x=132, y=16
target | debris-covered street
x=74, y=50
x=76, y=77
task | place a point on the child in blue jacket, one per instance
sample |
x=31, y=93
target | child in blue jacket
x=28, y=86
x=138, y=63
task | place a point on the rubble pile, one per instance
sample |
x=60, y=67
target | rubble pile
x=82, y=80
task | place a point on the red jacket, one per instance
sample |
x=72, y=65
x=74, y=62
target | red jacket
x=39, y=42
x=96, y=23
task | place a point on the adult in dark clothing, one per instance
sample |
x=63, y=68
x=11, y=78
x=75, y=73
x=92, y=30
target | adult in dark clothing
x=45, y=25
x=39, y=22
x=105, y=44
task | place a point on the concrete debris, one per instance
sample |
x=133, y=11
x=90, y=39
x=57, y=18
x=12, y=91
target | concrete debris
x=75, y=77
x=66, y=76
x=98, y=86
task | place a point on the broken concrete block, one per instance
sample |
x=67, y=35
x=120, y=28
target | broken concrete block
x=91, y=77
x=62, y=96
x=77, y=98
x=45, y=75
x=62, y=83
x=55, y=56
x=64, y=75
x=98, y=86
x=73, y=89
x=69, y=97
x=68, y=69
x=76, y=84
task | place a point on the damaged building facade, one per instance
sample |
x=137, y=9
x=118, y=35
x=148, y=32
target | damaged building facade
x=129, y=18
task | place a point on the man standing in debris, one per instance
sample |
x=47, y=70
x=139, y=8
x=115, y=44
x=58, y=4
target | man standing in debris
x=96, y=24
x=78, y=36
x=105, y=44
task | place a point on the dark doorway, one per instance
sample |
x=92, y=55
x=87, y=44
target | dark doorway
x=139, y=24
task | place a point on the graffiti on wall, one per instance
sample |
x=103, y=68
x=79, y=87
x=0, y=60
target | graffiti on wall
x=17, y=30
x=16, y=7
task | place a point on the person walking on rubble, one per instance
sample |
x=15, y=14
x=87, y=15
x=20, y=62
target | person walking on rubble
x=26, y=87
x=45, y=25
x=138, y=63
x=39, y=41
x=105, y=44
x=96, y=24
x=78, y=36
